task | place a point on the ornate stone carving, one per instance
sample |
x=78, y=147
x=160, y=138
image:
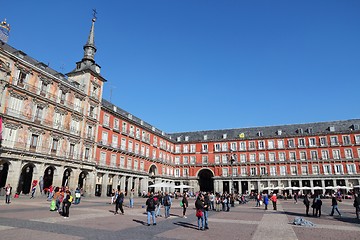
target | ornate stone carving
x=76, y=118
x=12, y=125
x=40, y=103
x=64, y=89
x=36, y=130
x=17, y=95
x=73, y=140
x=61, y=111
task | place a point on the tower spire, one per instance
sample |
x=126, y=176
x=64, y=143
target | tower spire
x=89, y=47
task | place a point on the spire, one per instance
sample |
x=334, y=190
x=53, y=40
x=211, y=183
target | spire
x=89, y=47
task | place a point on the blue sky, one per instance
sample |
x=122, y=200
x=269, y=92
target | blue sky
x=192, y=65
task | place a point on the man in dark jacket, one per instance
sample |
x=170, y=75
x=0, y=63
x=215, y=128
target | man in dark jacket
x=119, y=201
x=150, y=209
x=357, y=205
x=199, y=205
x=307, y=204
x=334, y=205
x=206, y=209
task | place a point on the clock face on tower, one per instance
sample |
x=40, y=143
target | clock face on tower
x=97, y=69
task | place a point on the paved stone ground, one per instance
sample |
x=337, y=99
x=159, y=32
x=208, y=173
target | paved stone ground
x=30, y=219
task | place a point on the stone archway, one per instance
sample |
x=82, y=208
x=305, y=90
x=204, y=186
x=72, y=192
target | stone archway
x=4, y=169
x=25, y=180
x=206, y=181
x=48, y=176
x=66, y=178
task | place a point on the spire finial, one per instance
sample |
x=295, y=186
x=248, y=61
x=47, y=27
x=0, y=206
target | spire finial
x=89, y=47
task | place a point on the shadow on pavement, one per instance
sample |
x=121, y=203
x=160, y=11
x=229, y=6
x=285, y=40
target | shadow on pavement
x=139, y=221
x=186, y=225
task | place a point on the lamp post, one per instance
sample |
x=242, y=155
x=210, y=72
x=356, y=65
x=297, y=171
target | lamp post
x=232, y=159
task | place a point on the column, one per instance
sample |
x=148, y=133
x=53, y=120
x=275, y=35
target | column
x=14, y=171
x=129, y=184
x=312, y=185
x=115, y=182
x=136, y=187
x=89, y=183
x=323, y=185
x=105, y=181
x=122, y=183
x=240, y=187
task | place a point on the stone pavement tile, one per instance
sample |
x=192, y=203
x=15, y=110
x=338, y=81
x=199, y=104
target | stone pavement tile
x=307, y=233
x=21, y=234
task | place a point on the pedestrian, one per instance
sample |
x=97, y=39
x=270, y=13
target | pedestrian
x=266, y=201
x=295, y=198
x=357, y=205
x=77, y=196
x=307, y=204
x=33, y=190
x=150, y=209
x=258, y=199
x=41, y=185
x=113, y=196
x=274, y=201
x=199, y=205
x=218, y=203
x=167, y=204
x=131, y=198
x=119, y=203
x=317, y=203
x=206, y=210
x=67, y=203
x=159, y=204
x=334, y=205
x=8, y=189
x=185, y=204
x=212, y=200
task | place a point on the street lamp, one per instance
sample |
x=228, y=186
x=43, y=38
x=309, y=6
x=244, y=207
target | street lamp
x=232, y=159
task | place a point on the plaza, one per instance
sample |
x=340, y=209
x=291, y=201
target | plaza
x=30, y=219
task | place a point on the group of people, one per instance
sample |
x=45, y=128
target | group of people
x=62, y=198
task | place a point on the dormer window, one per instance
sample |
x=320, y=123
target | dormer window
x=260, y=133
x=279, y=132
x=310, y=130
x=300, y=131
x=332, y=129
x=186, y=138
x=178, y=139
x=205, y=137
x=224, y=136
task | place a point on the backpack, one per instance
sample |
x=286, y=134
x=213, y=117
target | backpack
x=70, y=198
x=151, y=203
x=167, y=201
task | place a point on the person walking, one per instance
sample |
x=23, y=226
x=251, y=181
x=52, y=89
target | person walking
x=295, y=198
x=266, y=201
x=307, y=204
x=334, y=205
x=67, y=203
x=317, y=203
x=159, y=204
x=150, y=209
x=131, y=198
x=357, y=205
x=119, y=203
x=167, y=204
x=8, y=189
x=274, y=201
x=77, y=196
x=185, y=204
x=212, y=200
x=199, y=205
x=33, y=190
x=206, y=210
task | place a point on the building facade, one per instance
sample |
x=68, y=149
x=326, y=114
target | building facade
x=57, y=129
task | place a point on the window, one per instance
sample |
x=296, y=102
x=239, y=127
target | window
x=323, y=141
x=177, y=149
x=116, y=124
x=351, y=168
x=217, y=147
x=204, y=159
x=280, y=144
x=271, y=144
x=185, y=160
x=142, y=165
x=334, y=141
x=292, y=156
x=314, y=155
x=253, y=171
x=136, y=163
x=177, y=172
x=71, y=150
x=192, y=148
x=21, y=78
x=304, y=170
x=324, y=154
x=282, y=170
x=217, y=159
x=114, y=142
x=327, y=169
x=185, y=148
x=224, y=147
x=122, y=162
x=262, y=157
x=87, y=153
x=124, y=128
x=242, y=158
x=263, y=171
x=261, y=145
x=273, y=170
x=106, y=120
x=348, y=154
x=312, y=142
x=130, y=146
x=38, y=114
x=102, y=158
x=233, y=146
x=251, y=145
x=104, y=138
x=252, y=157
x=177, y=160
x=315, y=170
x=54, y=145
x=291, y=143
x=225, y=172
x=336, y=154
x=242, y=146
x=34, y=141
x=243, y=171
x=301, y=142
x=339, y=169
x=346, y=140
x=63, y=96
x=281, y=156
x=271, y=157
x=357, y=139
x=185, y=172
x=113, y=160
x=224, y=158
x=192, y=159
x=293, y=170
x=129, y=163
x=234, y=171
x=303, y=155
x=205, y=148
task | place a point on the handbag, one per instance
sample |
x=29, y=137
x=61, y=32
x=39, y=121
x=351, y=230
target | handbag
x=199, y=213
